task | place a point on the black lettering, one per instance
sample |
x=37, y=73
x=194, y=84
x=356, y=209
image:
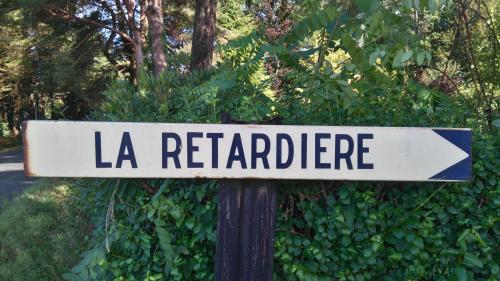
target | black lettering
x=343, y=155
x=192, y=148
x=362, y=149
x=236, y=147
x=303, y=163
x=215, y=147
x=98, y=153
x=279, y=150
x=173, y=154
x=263, y=154
x=320, y=149
x=130, y=155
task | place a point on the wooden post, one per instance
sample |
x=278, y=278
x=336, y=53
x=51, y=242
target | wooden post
x=245, y=226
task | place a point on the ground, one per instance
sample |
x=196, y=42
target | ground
x=12, y=178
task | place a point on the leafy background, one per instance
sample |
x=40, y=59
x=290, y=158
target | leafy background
x=423, y=63
x=332, y=67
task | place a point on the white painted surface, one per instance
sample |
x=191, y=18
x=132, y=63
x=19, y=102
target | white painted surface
x=67, y=149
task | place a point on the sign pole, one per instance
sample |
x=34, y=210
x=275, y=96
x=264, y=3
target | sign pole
x=245, y=226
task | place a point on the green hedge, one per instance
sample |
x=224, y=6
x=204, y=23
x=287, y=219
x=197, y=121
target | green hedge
x=325, y=230
x=394, y=231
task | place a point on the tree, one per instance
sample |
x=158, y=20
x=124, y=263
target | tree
x=12, y=70
x=464, y=41
x=203, y=34
x=50, y=69
x=155, y=17
x=122, y=22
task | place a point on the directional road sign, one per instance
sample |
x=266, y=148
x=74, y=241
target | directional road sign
x=160, y=150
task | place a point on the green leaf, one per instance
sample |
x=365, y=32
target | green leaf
x=420, y=57
x=165, y=242
x=432, y=6
x=311, y=23
x=343, y=193
x=428, y=56
x=406, y=56
x=374, y=55
x=419, y=242
x=496, y=123
x=69, y=276
x=190, y=223
x=176, y=213
x=84, y=275
x=78, y=268
x=424, y=94
x=462, y=239
x=331, y=12
x=408, y=4
x=450, y=252
x=495, y=269
x=473, y=260
x=452, y=210
x=367, y=5
x=398, y=233
x=416, y=5
x=461, y=273
x=397, y=61
x=349, y=67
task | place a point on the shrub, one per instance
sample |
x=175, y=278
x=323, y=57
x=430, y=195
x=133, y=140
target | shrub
x=2, y=130
x=325, y=230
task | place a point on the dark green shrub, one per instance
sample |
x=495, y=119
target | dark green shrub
x=325, y=230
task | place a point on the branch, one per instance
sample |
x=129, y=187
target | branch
x=121, y=12
x=148, y=188
x=130, y=5
x=70, y=17
x=143, y=28
x=111, y=38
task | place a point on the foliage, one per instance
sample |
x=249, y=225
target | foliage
x=337, y=66
x=41, y=233
x=394, y=231
x=4, y=130
x=169, y=234
x=464, y=40
x=233, y=17
x=9, y=142
x=385, y=63
x=325, y=230
x=48, y=70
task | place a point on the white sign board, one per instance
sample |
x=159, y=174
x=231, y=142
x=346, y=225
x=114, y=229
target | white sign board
x=158, y=150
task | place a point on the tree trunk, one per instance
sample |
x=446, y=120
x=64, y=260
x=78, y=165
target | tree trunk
x=144, y=25
x=36, y=105
x=155, y=19
x=138, y=54
x=137, y=42
x=140, y=35
x=203, y=34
